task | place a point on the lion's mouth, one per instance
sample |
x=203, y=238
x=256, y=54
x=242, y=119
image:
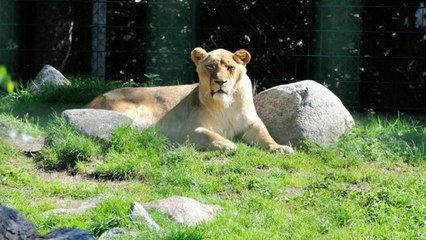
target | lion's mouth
x=220, y=91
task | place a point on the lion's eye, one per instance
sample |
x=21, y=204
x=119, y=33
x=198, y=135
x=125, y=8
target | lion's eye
x=210, y=67
x=231, y=68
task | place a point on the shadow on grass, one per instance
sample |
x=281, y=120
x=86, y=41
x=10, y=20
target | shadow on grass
x=400, y=135
x=39, y=106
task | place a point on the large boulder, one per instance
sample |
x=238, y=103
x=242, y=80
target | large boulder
x=96, y=123
x=305, y=110
x=48, y=76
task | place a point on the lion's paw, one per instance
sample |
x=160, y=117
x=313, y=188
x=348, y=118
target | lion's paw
x=282, y=149
x=224, y=145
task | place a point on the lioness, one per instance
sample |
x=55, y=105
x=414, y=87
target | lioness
x=207, y=114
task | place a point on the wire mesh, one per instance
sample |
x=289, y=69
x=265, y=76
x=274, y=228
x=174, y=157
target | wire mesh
x=372, y=54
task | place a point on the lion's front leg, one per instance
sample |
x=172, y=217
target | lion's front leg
x=257, y=134
x=208, y=140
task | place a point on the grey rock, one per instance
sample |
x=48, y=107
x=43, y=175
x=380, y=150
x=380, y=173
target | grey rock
x=14, y=226
x=137, y=211
x=77, y=207
x=112, y=233
x=117, y=233
x=67, y=234
x=305, y=110
x=48, y=76
x=21, y=141
x=97, y=123
x=25, y=142
x=294, y=191
x=184, y=210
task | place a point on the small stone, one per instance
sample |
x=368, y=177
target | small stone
x=112, y=233
x=184, y=210
x=117, y=232
x=48, y=76
x=293, y=191
x=76, y=207
x=137, y=211
x=26, y=143
x=21, y=141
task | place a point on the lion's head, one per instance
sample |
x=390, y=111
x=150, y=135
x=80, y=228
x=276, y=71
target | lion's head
x=219, y=72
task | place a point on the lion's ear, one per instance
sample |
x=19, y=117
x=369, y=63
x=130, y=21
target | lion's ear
x=242, y=56
x=198, y=54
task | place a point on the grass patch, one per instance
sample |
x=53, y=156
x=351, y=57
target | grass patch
x=369, y=185
x=126, y=139
x=66, y=147
x=387, y=138
x=24, y=125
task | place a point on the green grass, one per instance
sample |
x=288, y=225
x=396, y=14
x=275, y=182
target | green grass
x=370, y=185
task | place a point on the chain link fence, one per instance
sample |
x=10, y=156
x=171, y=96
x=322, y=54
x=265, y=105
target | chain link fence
x=372, y=54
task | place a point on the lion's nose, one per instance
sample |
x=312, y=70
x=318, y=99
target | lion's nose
x=220, y=82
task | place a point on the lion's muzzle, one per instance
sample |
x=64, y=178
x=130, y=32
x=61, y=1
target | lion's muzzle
x=219, y=86
x=220, y=82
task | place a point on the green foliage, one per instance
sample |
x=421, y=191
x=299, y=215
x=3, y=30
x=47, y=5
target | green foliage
x=110, y=215
x=130, y=154
x=82, y=90
x=128, y=139
x=5, y=80
x=5, y=149
x=151, y=80
x=377, y=139
x=22, y=95
x=24, y=125
x=185, y=234
x=119, y=167
x=67, y=147
x=382, y=138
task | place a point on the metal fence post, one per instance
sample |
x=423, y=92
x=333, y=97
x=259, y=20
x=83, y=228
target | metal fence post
x=99, y=16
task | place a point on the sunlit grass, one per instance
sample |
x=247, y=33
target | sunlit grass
x=370, y=185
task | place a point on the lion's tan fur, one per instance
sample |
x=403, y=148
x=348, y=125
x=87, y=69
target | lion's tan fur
x=208, y=114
